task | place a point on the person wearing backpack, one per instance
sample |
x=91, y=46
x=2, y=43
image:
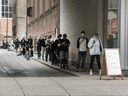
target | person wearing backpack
x=96, y=48
x=82, y=48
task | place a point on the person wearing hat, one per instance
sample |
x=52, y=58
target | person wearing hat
x=96, y=48
x=82, y=45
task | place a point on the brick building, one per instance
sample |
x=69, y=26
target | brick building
x=43, y=18
x=19, y=18
x=5, y=20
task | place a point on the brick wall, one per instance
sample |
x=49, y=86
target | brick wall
x=19, y=19
x=45, y=19
x=79, y=15
x=3, y=28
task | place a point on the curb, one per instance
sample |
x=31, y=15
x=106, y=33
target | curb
x=55, y=67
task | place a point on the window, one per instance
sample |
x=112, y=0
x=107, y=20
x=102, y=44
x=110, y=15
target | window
x=112, y=3
x=112, y=28
x=2, y=2
x=6, y=8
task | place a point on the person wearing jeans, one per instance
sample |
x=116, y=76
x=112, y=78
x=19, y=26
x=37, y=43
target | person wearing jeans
x=96, y=47
x=82, y=48
x=48, y=48
x=43, y=46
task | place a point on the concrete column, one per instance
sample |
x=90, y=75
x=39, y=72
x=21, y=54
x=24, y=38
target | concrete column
x=80, y=15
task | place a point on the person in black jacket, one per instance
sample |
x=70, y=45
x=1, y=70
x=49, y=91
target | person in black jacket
x=17, y=42
x=82, y=45
x=39, y=47
x=30, y=40
x=23, y=42
x=64, y=51
x=56, y=50
x=43, y=46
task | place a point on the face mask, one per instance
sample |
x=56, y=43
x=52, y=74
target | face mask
x=82, y=34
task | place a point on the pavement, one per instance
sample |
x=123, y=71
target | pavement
x=19, y=77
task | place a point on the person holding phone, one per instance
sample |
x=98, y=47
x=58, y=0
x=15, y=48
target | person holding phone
x=96, y=48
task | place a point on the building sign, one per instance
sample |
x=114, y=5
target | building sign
x=111, y=64
x=114, y=25
x=107, y=30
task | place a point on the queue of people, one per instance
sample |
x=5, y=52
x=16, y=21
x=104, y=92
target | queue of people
x=57, y=51
x=25, y=47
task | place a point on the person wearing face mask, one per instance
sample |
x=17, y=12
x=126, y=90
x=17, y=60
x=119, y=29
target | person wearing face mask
x=96, y=48
x=82, y=48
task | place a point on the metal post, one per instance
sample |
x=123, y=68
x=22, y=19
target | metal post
x=7, y=31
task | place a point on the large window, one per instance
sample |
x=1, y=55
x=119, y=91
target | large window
x=6, y=8
x=112, y=25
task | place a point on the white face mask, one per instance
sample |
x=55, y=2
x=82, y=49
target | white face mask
x=82, y=34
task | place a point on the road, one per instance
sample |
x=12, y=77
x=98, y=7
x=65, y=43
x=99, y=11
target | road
x=19, y=77
x=16, y=66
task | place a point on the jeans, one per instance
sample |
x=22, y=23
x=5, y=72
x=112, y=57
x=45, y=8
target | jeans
x=43, y=52
x=27, y=54
x=48, y=53
x=83, y=56
x=98, y=61
x=39, y=53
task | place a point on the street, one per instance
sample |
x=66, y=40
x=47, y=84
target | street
x=19, y=77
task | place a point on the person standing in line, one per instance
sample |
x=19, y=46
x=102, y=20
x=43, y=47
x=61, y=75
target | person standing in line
x=17, y=44
x=22, y=42
x=56, y=50
x=31, y=51
x=30, y=40
x=43, y=46
x=39, y=47
x=27, y=46
x=64, y=51
x=48, y=48
x=51, y=42
x=96, y=48
x=82, y=45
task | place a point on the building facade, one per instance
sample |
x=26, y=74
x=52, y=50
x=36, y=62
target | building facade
x=19, y=18
x=43, y=18
x=107, y=17
x=5, y=20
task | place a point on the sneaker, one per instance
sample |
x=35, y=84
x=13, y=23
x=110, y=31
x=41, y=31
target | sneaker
x=77, y=70
x=91, y=73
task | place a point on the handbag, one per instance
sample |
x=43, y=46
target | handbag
x=100, y=46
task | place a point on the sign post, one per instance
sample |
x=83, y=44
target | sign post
x=111, y=63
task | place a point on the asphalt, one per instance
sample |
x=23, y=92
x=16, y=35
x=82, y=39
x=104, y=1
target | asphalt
x=19, y=77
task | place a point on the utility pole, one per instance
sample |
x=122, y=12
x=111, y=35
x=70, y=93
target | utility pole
x=7, y=31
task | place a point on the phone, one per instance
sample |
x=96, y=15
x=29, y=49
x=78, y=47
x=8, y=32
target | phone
x=94, y=41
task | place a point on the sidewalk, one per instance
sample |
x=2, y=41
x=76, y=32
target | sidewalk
x=79, y=84
x=71, y=70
